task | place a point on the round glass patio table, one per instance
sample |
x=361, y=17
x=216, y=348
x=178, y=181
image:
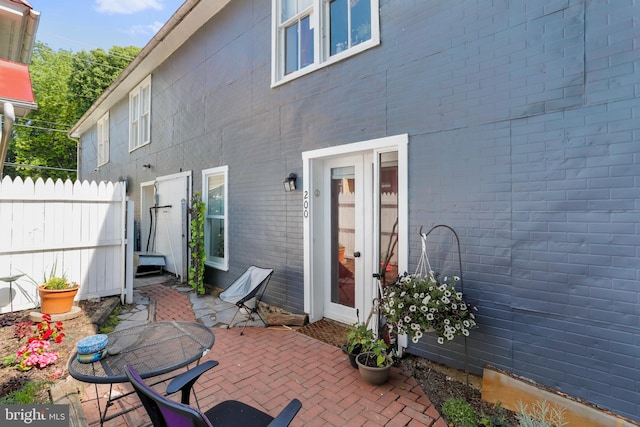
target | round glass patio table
x=151, y=349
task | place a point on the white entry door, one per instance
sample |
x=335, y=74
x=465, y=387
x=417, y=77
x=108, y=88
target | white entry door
x=163, y=220
x=355, y=225
x=345, y=246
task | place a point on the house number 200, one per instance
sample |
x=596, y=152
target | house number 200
x=305, y=205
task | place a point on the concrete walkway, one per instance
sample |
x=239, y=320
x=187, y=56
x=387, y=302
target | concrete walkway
x=266, y=367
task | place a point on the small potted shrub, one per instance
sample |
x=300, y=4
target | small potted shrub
x=359, y=336
x=56, y=293
x=374, y=364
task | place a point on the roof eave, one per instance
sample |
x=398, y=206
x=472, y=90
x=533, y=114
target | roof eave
x=192, y=15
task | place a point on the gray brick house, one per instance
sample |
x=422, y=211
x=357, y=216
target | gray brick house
x=514, y=122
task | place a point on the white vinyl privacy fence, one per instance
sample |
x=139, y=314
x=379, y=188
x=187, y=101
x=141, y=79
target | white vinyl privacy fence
x=78, y=227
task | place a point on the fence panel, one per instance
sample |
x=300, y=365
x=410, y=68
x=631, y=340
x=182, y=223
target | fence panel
x=76, y=227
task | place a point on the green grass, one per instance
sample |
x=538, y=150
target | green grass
x=30, y=393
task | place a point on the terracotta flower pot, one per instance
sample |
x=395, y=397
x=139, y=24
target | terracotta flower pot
x=374, y=375
x=56, y=301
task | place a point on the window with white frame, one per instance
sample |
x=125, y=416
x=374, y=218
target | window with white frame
x=103, y=140
x=140, y=114
x=214, y=190
x=308, y=34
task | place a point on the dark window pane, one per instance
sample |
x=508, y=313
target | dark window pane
x=216, y=237
x=339, y=30
x=360, y=21
x=291, y=49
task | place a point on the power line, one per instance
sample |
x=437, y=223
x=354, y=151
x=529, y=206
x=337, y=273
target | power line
x=89, y=61
x=19, y=165
x=42, y=121
x=41, y=128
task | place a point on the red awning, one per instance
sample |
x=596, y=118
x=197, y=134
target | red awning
x=15, y=87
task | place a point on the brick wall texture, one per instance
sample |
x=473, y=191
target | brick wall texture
x=524, y=136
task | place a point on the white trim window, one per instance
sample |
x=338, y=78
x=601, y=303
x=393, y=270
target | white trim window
x=140, y=115
x=215, y=182
x=308, y=34
x=102, y=130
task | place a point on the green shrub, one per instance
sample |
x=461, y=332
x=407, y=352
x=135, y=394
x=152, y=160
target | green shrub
x=460, y=413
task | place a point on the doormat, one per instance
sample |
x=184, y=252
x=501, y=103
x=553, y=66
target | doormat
x=328, y=331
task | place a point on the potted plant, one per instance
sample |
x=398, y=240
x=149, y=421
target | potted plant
x=415, y=304
x=56, y=293
x=374, y=364
x=359, y=335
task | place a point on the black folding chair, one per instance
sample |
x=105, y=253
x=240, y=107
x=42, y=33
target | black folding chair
x=232, y=413
x=251, y=284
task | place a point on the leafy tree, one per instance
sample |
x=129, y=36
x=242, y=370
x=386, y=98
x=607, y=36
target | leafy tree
x=41, y=139
x=65, y=84
x=94, y=71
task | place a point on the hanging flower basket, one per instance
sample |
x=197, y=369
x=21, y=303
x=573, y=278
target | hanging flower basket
x=415, y=304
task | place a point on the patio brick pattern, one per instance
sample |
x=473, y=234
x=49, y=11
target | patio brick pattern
x=268, y=367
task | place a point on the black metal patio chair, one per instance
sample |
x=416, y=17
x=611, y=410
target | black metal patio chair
x=232, y=413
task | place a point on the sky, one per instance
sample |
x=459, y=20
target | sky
x=78, y=25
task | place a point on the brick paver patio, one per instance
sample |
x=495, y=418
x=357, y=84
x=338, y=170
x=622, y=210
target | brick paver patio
x=266, y=367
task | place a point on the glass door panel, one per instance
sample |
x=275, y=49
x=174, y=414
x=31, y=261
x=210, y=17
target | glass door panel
x=388, y=214
x=343, y=220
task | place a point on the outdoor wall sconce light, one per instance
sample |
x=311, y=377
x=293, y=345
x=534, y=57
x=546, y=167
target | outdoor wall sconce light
x=290, y=182
x=147, y=166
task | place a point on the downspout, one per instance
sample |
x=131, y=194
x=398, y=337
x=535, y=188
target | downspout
x=77, y=141
x=5, y=136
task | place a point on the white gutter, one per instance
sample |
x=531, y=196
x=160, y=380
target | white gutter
x=31, y=26
x=5, y=135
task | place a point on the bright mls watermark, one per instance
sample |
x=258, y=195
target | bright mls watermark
x=34, y=415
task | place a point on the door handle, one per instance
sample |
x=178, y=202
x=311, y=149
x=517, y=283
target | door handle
x=356, y=254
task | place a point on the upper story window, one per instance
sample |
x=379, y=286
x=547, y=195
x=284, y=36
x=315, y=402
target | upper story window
x=308, y=34
x=103, y=140
x=215, y=184
x=140, y=114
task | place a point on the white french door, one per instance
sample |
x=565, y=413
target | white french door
x=355, y=225
x=346, y=250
